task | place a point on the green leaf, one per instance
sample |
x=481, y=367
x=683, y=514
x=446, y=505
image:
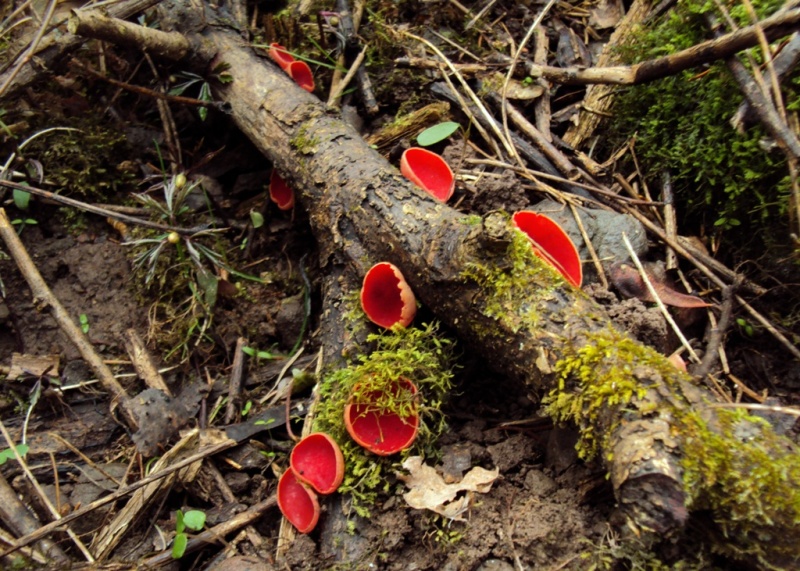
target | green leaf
x=179, y=523
x=8, y=454
x=440, y=132
x=257, y=219
x=179, y=545
x=21, y=199
x=194, y=519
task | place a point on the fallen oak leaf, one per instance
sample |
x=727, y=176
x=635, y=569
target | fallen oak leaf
x=428, y=490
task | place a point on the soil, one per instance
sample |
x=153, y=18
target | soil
x=546, y=510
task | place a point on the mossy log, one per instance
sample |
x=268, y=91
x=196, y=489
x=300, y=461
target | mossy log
x=667, y=449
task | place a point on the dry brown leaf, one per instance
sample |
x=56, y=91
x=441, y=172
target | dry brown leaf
x=428, y=490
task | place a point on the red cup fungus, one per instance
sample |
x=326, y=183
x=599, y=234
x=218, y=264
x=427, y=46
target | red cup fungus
x=386, y=297
x=382, y=433
x=280, y=56
x=318, y=462
x=279, y=192
x=297, y=502
x=428, y=171
x=551, y=244
x=301, y=73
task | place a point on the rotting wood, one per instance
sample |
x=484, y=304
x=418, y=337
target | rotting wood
x=361, y=211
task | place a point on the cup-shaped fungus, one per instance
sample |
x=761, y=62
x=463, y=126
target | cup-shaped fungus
x=301, y=73
x=551, y=243
x=318, y=462
x=386, y=297
x=383, y=431
x=428, y=171
x=297, y=502
x=280, y=56
x=279, y=192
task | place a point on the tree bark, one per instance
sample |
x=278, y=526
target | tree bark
x=632, y=406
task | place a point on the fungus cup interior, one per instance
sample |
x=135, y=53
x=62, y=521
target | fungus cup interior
x=279, y=192
x=301, y=73
x=318, y=462
x=280, y=56
x=552, y=244
x=381, y=431
x=297, y=503
x=429, y=171
x=386, y=297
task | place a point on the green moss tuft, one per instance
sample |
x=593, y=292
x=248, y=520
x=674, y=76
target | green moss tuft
x=420, y=355
x=748, y=477
x=514, y=291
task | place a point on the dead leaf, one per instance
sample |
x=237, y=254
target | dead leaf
x=428, y=490
x=606, y=14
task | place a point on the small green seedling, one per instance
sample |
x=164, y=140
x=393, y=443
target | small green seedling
x=253, y=352
x=84, y=321
x=8, y=454
x=21, y=223
x=192, y=519
x=437, y=133
x=246, y=408
x=22, y=199
x=257, y=219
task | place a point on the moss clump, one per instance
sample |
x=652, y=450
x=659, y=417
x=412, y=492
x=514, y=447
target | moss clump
x=737, y=468
x=86, y=160
x=748, y=477
x=420, y=355
x=721, y=178
x=515, y=290
x=597, y=377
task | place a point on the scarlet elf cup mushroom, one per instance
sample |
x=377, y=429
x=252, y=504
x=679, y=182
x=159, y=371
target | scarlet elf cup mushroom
x=386, y=297
x=318, y=462
x=551, y=244
x=428, y=171
x=279, y=192
x=383, y=430
x=315, y=462
x=297, y=502
x=280, y=56
x=297, y=70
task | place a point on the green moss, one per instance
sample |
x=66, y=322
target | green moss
x=304, y=144
x=514, y=291
x=420, y=355
x=721, y=179
x=598, y=376
x=739, y=469
x=748, y=477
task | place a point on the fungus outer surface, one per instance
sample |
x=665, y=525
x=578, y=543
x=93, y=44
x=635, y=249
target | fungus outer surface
x=551, y=243
x=279, y=192
x=301, y=73
x=297, y=503
x=429, y=171
x=280, y=56
x=318, y=462
x=386, y=297
x=382, y=432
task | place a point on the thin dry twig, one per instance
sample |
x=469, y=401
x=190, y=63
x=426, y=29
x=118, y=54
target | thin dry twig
x=42, y=495
x=659, y=303
x=29, y=53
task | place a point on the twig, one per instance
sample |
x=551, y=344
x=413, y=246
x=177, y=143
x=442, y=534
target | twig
x=94, y=209
x=235, y=385
x=336, y=92
x=19, y=520
x=44, y=298
x=715, y=337
x=42, y=495
x=29, y=53
x=655, y=296
x=670, y=219
x=179, y=99
x=143, y=362
x=774, y=27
